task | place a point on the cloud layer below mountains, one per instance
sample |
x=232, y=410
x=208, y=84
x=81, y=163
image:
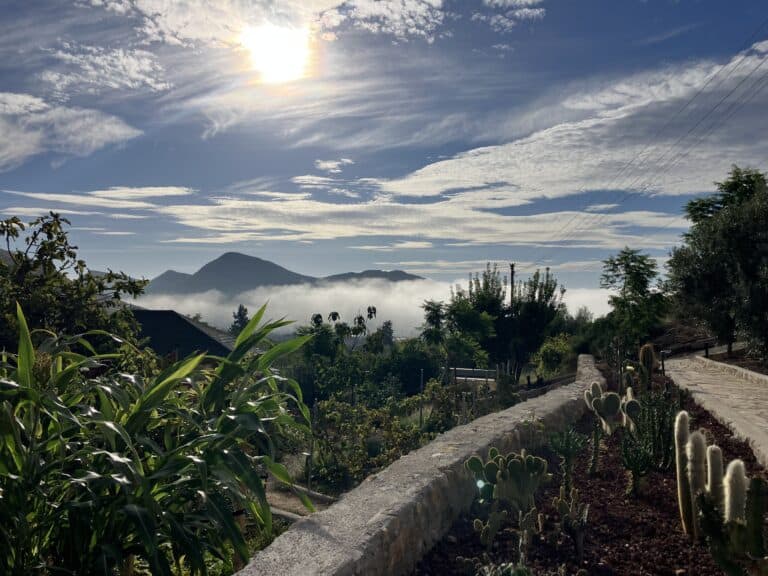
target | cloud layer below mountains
x=399, y=302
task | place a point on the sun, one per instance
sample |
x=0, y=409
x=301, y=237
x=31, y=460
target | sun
x=278, y=53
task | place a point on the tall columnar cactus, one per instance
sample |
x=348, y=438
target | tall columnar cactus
x=647, y=358
x=715, y=475
x=681, y=461
x=738, y=542
x=696, y=451
x=735, y=492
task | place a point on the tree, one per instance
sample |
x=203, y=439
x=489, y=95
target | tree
x=637, y=307
x=41, y=271
x=241, y=320
x=536, y=303
x=719, y=274
x=432, y=332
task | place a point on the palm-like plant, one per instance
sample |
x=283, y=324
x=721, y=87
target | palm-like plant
x=96, y=471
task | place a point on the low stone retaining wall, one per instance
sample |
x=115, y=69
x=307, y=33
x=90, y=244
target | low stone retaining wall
x=737, y=371
x=385, y=525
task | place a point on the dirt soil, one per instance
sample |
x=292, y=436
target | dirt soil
x=743, y=361
x=626, y=535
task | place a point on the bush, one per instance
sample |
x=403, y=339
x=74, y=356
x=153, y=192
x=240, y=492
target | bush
x=101, y=470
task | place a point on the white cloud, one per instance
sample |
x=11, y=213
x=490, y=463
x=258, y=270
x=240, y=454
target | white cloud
x=595, y=299
x=405, y=245
x=399, y=302
x=93, y=69
x=117, y=197
x=600, y=207
x=30, y=126
x=333, y=166
x=512, y=3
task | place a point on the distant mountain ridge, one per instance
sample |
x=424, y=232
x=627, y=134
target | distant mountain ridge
x=233, y=273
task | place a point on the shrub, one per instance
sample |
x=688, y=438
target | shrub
x=100, y=471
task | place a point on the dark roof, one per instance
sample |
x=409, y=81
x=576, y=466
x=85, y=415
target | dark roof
x=169, y=332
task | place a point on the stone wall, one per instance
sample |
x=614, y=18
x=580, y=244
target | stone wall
x=385, y=525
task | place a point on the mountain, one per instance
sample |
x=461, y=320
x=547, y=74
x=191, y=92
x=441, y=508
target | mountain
x=390, y=275
x=233, y=273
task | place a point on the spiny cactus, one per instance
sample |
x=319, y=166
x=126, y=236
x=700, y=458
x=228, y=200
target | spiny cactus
x=608, y=409
x=681, y=461
x=696, y=452
x=630, y=410
x=594, y=391
x=737, y=542
x=489, y=529
x=567, y=445
x=735, y=484
x=573, y=517
x=647, y=358
x=637, y=458
x=530, y=523
x=715, y=475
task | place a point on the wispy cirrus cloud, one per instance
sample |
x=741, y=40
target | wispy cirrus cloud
x=31, y=126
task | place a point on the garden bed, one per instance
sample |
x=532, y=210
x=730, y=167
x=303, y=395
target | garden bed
x=739, y=358
x=626, y=535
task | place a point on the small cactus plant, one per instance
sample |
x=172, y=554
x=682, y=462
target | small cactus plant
x=489, y=529
x=630, y=410
x=735, y=492
x=637, y=458
x=682, y=433
x=573, y=517
x=567, y=445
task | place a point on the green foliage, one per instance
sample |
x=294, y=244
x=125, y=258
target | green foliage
x=720, y=274
x=101, y=470
x=637, y=458
x=567, y=445
x=56, y=290
x=637, y=308
x=553, y=355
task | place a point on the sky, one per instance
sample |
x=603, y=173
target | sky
x=425, y=135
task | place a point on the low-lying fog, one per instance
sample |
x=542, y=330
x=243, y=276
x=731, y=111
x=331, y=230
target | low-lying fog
x=399, y=302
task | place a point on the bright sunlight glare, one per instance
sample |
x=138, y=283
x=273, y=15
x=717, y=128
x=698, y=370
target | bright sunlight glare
x=278, y=54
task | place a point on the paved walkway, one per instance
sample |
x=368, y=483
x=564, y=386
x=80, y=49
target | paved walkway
x=739, y=401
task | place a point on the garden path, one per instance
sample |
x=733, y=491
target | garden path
x=738, y=398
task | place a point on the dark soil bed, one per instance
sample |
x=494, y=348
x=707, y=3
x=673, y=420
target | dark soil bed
x=626, y=535
x=743, y=361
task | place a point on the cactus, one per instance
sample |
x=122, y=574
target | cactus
x=735, y=492
x=594, y=391
x=737, y=542
x=681, y=461
x=573, y=518
x=608, y=409
x=530, y=523
x=489, y=529
x=715, y=475
x=637, y=458
x=510, y=481
x=648, y=361
x=696, y=452
x=567, y=445
x=630, y=410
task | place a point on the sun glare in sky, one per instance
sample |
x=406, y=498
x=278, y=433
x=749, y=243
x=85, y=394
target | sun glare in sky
x=278, y=53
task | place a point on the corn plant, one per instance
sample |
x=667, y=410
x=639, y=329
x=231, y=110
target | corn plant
x=101, y=471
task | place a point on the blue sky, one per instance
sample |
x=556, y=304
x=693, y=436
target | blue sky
x=425, y=135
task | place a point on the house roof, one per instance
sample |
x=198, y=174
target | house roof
x=169, y=332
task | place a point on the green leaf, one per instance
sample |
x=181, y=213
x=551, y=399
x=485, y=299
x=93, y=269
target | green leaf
x=25, y=360
x=251, y=326
x=282, y=349
x=278, y=470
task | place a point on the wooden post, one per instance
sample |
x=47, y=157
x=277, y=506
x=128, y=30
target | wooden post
x=421, y=400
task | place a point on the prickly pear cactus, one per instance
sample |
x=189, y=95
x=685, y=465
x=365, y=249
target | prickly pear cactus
x=630, y=410
x=608, y=409
x=489, y=529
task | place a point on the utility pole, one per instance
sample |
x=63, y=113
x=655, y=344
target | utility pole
x=511, y=284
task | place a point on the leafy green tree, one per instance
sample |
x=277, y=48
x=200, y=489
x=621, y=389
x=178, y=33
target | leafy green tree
x=536, y=303
x=41, y=271
x=241, y=320
x=719, y=274
x=554, y=354
x=637, y=307
x=433, y=330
